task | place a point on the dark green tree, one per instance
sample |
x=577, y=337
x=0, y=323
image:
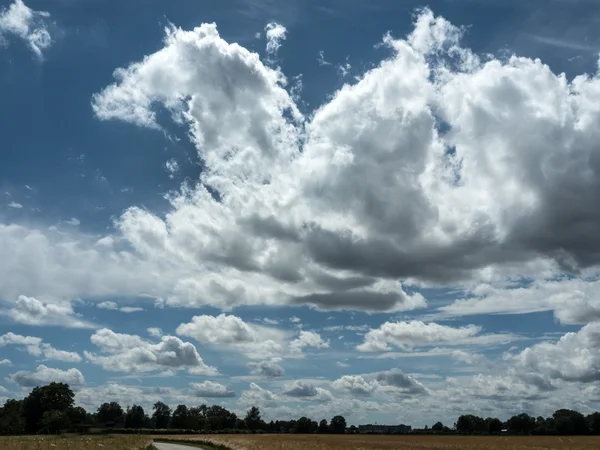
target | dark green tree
x=181, y=417
x=469, y=424
x=567, y=421
x=54, y=421
x=521, y=424
x=253, y=419
x=593, y=423
x=12, y=421
x=438, y=426
x=323, y=427
x=197, y=417
x=134, y=417
x=338, y=425
x=52, y=397
x=494, y=425
x=109, y=414
x=303, y=425
x=162, y=415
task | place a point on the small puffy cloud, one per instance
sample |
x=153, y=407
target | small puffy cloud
x=31, y=311
x=31, y=343
x=30, y=25
x=209, y=389
x=257, y=396
x=304, y=391
x=73, y=221
x=5, y=362
x=267, y=368
x=44, y=375
x=408, y=335
x=274, y=33
x=400, y=382
x=130, y=353
x=172, y=167
x=230, y=331
x=155, y=332
x=15, y=205
x=59, y=355
x=307, y=339
x=355, y=385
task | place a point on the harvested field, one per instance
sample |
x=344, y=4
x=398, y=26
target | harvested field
x=73, y=442
x=361, y=442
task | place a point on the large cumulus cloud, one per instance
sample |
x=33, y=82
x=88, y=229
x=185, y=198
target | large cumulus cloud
x=436, y=166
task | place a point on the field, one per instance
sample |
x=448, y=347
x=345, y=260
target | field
x=358, y=442
x=74, y=442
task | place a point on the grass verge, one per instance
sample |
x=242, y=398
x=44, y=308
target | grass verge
x=206, y=445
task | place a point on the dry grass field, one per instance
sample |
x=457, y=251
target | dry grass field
x=358, y=442
x=74, y=442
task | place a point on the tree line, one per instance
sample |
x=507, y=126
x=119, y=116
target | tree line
x=51, y=409
x=562, y=422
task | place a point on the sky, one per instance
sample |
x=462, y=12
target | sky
x=386, y=210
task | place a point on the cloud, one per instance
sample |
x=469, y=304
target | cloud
x=15, y=205
x=31, y=311
x=114, y=307
x=44, y=375
x=395, y=177
x=305, y=391
x=31, y=343
x=267, y=369
x=400, y=382
x=257, y=396
x=172, y=167
x=5, y=362
x=355, y=385
x=408, y=335
x=123, y=394
x=274, y=33
x=574, y=357
x=255, y=341
x=155, y=332
x=59, y=355
x=572, y=300
x=30, y=25
x=307, y=339
x=210, y=389
x=130, y=353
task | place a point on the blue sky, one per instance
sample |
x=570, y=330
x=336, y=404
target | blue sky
x=387, y=211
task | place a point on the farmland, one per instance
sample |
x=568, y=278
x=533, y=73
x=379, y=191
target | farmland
x=74, y=442
x=362, y=442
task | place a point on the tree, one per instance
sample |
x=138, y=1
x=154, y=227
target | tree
x=494, y=425
x=323, y=427
x=438, y=426
x=109, y=413
x=470, y=424
x=197, y=417
x=52, y=397
x=11, y=418
x=593, y=422
x=180, y=417
x=303, y=425
x=567, y=421
x=522, y=424
x=162, y=415
x=253, y=419
x=338, y=425
x=53, y=421
x=135, y=417
x=219, y=418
